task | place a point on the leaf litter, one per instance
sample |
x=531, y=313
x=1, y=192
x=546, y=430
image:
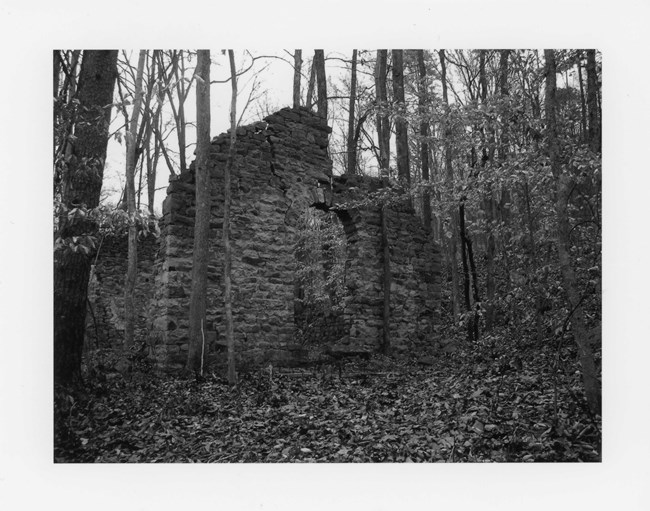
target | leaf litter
x=378, y=410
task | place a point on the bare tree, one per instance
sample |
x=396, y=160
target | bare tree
x=177, y=81
x=321, y=82
x=592, y=102
x=453, y=241
x=198, y=296
x=310, y=85
x=227, y=279
x=297, y=66
x=401, y=125
x=131, y=159
x=424, y=136
x=383, y=123
x=351, y=142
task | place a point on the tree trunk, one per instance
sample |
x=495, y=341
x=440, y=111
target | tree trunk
x=352, y=147
x=138, y=190
x=383, y=124
x=311, y=85
x=180, y=122
x=491, y=200
x=198, y=293
x=152, y=165
x=466, y=283
x=475, y=293
x=56, y=68
x=401, y=126
x=297, y=68
x=321, y=82
x=153, y=154
x=227, y=277
x=583, y=104
x=453, y=241
x=468, y=259
x=82, y=186
x=504, y=140
x=487, y=147
x=424, y=138
x=592, y=102
x=131, y=159
x=585, y=355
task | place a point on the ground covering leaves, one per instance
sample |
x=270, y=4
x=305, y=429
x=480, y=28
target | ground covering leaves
x=458, y=408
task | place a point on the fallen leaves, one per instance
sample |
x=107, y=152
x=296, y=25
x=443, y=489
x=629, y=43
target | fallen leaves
x=441, y=413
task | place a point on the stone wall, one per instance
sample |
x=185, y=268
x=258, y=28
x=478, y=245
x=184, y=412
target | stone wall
x=280, y=169
x=105, y=318
x=414, y=267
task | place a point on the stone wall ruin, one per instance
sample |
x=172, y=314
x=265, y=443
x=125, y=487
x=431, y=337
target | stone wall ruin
x=280, y=169
x=105, y=317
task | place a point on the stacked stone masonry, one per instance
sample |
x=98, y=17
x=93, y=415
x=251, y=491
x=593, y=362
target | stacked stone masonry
x=105, y=318
x=281, y=168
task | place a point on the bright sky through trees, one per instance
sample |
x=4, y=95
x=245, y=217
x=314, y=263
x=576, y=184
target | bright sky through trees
x=267, y=83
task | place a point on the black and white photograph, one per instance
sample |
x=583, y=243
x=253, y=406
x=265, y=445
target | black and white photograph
x=353, y=255
x=402, y=264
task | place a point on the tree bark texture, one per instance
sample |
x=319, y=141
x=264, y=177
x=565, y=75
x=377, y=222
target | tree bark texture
x=401, y=126
x=487, y=135
x=563, y=191
x=474, y=320
x=297, y=69
x=383, y=123
x=592, y=102
x=583, y=102
x=311, y=85
x=56, y=68
x=180, y=121
x=466, y=277
x=491, y=200
x=321, y=82
x=200, y=254
x=504, y=140
x=131, y=160
x=153, y=153
x=152, y=162
x=351, y=142
x=82, y=186
x=453, y=240
x=227, y=265
x=423, y=101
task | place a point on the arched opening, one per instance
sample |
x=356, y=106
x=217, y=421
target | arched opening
x=320, y=291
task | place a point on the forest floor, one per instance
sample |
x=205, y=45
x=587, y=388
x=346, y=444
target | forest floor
x=462, y=407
